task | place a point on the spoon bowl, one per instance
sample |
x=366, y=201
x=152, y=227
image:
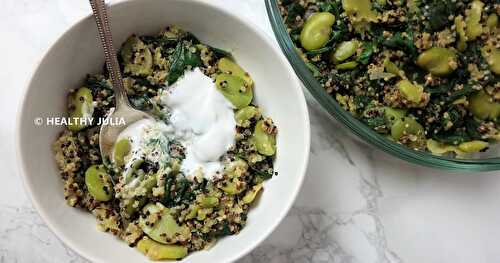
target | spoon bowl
x=124, y=112
x=119, y=120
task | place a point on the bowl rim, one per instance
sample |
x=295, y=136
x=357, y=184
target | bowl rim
x=354, y=125
x=258, y=32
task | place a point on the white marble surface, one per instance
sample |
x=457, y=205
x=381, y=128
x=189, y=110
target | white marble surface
x=357, y=204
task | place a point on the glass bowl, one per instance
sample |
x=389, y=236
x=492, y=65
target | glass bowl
x=477, y=163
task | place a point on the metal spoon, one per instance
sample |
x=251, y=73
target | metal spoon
x=123, y=110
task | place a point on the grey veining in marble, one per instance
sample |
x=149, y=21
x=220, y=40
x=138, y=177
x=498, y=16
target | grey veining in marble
x=357, y=205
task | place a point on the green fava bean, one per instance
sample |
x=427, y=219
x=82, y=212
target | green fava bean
x=413, y=6
x=345, y=50
x=347, y=66
x=359, y=10
x=493, y=59
x=122, y=149
x=145, y=244
x=193, y=211
x=473, y=27
x=244, y=115
x=98, y=183
x=437, y=148
x=438, y=61
x=129, y=170
x=232, y=188
x=406, y=126
x=229, y=67
x=410, y=91
x=236, y=168
x=160, y=252
x=317, y=30
x=80, y=107
x=264, y=140
x=483, y=107
x=131, y=206
x=137, y=57
x=473, y=146
x=392, y=115
x=390, y=67
x=156, y=251
x=492, y=22
x=234, y=89
x=165, y=229
x=251, y=194
x=460, y=26
x=209, y=202
x=202, y=213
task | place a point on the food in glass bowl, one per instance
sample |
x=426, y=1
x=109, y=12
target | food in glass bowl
x=423, y=73
x=178, y=183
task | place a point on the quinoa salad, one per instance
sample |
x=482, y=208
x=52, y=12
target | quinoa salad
x=162, y=191
x=423, y=73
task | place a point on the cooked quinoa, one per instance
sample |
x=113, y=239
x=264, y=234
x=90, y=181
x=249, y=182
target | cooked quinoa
x=425, y=73
x=168, y=214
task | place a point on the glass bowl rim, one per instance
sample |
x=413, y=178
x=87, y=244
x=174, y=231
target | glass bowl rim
x=354, y=125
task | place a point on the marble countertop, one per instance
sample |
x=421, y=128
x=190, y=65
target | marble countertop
x=357, y=203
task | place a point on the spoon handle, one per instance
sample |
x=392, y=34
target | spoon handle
x=104, y=29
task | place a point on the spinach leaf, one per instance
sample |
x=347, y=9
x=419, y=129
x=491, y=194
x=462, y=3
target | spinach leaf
x=331, y=7
x=191, y=37
x=159, y=41
x=439, y=11
x=146, y=83
x=377, y=33
x=263, y=175
x=361, y=102
x=368, y=50
x=169, y=193
x=96, y=84
x=220, y=53
x=472, y=126
x=446, y=90
x=454, y=137
x=180, y=60
x=177, y=190
x=375, y=122
x=377, y=6
x=318, y=51
x=294, y=10
x=224, y=229
x=400, y=42
x=438, y=89
x=192, y=58
x=183, y=192
x=339, y=32
x=466, y=90
x=295, y=35
x=455, y=116
x=374, y=117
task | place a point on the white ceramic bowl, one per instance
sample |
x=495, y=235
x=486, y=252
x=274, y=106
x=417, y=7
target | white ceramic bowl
x=78, y=52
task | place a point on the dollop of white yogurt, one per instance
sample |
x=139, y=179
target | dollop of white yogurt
x=149, y=140
x=200, y=118
x=203, y=120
